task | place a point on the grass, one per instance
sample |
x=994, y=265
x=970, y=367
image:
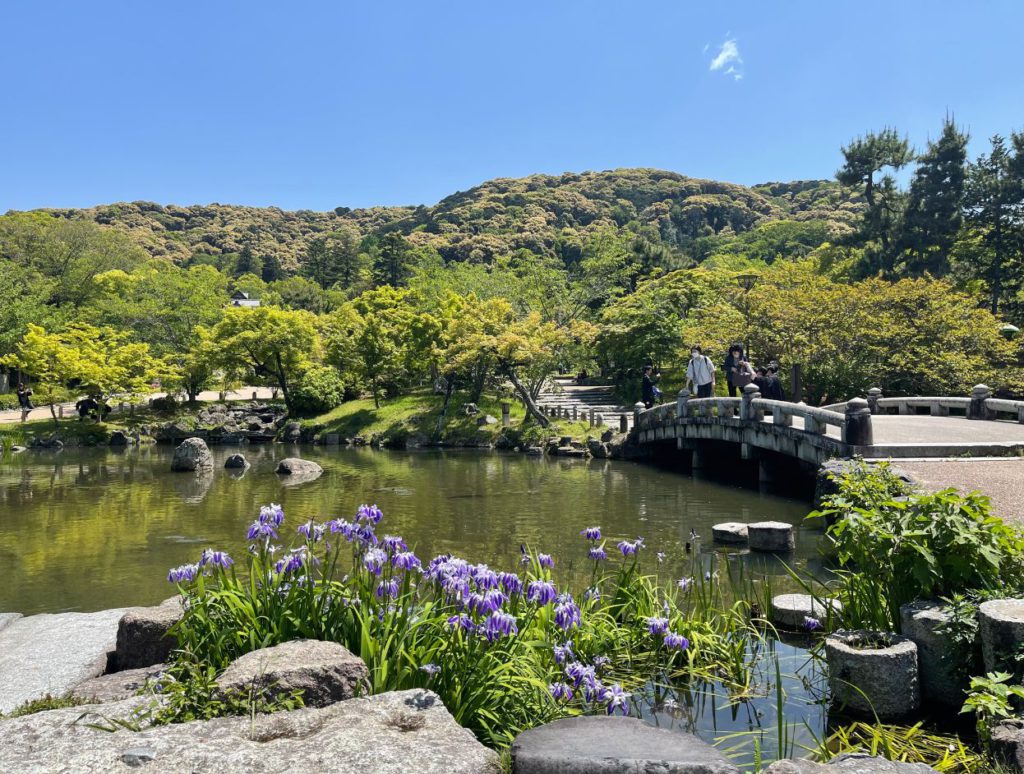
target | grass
x=47, y=702
x=417, y=413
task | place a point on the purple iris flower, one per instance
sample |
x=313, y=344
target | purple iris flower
x=592, y=594
x=567, y=614
x=387, y=589
x=675, y=641
x=628, y=548
x=545, y=560
x=580, y=673
x=617, y=699
x=499, y=624
x=293, y=561
x=374, y=559
x=661, y=556
x=406, y=560
x=272, y=514
x=430, y=669
x=592, y=533
x=811, y=624
x=685, y=583
x=185, y=573
x=484, y=576
x=597, y=553
x=312, y=531
x=461, y=622
x=346, y=528
x=510, y=582
x=370, y=514
x=707, y=575
x=261, y=529
x=393, y=544
x=563, y=653
x=601, y=661
x=541, y=592
x=216, y=558
x=657, y=625
x=560, y=691
x=366, y=536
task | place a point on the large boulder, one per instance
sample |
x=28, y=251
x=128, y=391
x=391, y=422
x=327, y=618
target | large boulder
x=390, y=733
x=118, y=438
x=324, y=672
x=117, y=686
x=236, y=461
x=51, y=654
x=607, y=745
x=298, y=471
x=142, y=634
x=192, y=455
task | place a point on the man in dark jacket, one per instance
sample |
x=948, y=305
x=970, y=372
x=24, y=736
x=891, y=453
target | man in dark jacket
x=648, y=392
x=773, y=389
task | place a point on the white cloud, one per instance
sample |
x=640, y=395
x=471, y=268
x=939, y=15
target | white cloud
x=728, y=60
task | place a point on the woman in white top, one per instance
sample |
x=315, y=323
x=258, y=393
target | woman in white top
x=700, y=372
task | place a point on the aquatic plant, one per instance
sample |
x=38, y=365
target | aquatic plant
x=504, y=650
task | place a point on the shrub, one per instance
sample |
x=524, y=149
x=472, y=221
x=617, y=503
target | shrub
x=8, y=401
x=165, y=404
x=317, y=390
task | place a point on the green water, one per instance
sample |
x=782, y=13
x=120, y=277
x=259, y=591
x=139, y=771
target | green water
x=96, y=528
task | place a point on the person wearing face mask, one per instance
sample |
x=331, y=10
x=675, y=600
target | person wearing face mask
x=700, y=372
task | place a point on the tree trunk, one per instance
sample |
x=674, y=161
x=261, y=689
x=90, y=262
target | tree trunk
x=479, y=379
x=524, y=393
x=53, y=413
x=448, y=388
x=282, y=381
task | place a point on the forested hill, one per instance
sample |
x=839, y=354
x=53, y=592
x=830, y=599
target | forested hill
x=684, y=219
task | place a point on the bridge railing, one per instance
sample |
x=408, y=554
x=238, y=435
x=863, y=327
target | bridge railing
x=815, y=420
x=979, y=405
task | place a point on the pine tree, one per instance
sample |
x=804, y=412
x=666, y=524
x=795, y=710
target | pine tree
x=933, y=214
x=389, y=266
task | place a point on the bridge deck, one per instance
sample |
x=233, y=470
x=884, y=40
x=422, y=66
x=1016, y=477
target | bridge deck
x=894, y=429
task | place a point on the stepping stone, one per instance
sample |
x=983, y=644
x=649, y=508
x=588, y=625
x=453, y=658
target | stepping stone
x=390, y=733
x=1001, y=624
x=142, y=634
x=790, y=611
x=771, y=536
x=613, y=744
x=52, y=653
x=873, y=673
x=729, y=532
x=920, y=621
x=325, y=672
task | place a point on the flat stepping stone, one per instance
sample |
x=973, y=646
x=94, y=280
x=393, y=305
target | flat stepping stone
x=922, y=622
x=608, y=745
x=729, y=532
x=873, y=673
x=771, y=536
x=390, y=733
x=52, y=653
x=117, y=686
x=791, y=611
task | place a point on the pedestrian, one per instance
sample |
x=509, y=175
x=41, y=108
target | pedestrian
x=742, y=374
x=774, y=389
x=700, y=372
x=648, y=391
x=761, y=380
x=24, y=400
x=735, y=356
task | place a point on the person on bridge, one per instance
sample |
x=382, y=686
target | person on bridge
x=648, y=391
x=700, y=372
x=734, y=357
x=773, y=390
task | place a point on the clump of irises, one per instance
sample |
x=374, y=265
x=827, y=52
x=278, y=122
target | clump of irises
x=474, y=634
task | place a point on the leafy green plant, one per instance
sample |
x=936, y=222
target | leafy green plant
x=316, y=390
x=43, y=704
x=909, y=744
x=991, y=700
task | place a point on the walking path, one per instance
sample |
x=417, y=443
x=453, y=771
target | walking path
x=566, y=394
x=43, y=412
x=1001, y=479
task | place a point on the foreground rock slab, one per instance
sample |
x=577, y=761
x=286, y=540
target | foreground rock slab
x=605, y=745
x=8, y=618
x=391, y=733
x=117, y=686
x=52, y=653
x=325, y=672
x=851, y=763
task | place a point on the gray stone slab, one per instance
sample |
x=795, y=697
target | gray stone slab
x=851, y=763
x=52, y=653
x=117, y=686
x=391, y=733
x=607, y=745
x=8, y=618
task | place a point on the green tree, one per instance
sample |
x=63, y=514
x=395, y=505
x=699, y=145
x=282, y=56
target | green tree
x=390, y=264
x=934, y=205
x=865, y=159
x=272, y=343
x=995, y=210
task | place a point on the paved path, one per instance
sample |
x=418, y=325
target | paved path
x=43, y=412
x=1000, y=479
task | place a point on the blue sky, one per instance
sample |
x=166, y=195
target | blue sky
x=318, y=105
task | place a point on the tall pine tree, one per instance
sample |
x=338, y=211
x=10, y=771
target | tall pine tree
x=933, y=214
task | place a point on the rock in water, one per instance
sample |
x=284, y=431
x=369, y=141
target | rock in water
x=299, y=470
x=325, y=672
x=51, y=654
x=236, y=461
x=613, y=744
x=390, y=733
x=142, y=634
x=729, y=532
x=192, y=455
x=118, y=438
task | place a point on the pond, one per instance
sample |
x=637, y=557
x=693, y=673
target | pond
x=87, y=529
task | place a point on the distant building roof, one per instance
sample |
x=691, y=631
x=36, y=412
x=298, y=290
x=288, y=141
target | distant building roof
x=239, y=294
x=241, y=298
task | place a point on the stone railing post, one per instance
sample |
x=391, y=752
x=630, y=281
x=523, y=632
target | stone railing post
x=746, y=408
x=638, y=409
x=857, y=431
x=682, y=410
x=506, y=414
x=873, y=395
x=623, y=424
x=977, y=409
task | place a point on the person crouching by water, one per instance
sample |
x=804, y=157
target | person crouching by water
x=733, y=359
x=700, y=372
x=648, y=391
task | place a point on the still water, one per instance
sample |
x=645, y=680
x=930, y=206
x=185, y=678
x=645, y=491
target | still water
x=97, y=528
